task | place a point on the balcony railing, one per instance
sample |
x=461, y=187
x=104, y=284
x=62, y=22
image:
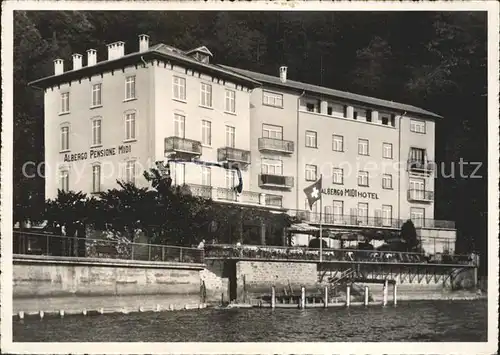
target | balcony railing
x=182, y=145
x=420, y=165
x=420, y=195
x=268, y=180
x=276, y=145
x=371, y=222
x=235, y=155
x=229, y=195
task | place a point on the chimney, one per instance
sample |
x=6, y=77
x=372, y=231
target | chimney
x=77, y=61
x=91, y=57
x=116, y=50
x=58, y=66
x=283, y=74
x=111, y=51
x=143, y=43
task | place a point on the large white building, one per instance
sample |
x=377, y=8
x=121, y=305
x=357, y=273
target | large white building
x=111, y=120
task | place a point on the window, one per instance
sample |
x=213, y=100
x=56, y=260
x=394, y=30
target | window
x=230, y=105
x=417, y=216
x=230, y=136
x=310, y=107
x=271, y=131
x=385, y=119
x=362, y=146
x=417, y=126
x=130, y=87
x=387, y=150
x=386, y=215
x=96, y=178
x=206, y=132
x=363, y=213
x=363, y=178
x=329, y=110
x=179, y=88
x=130, y=126
x=179, y=174
x=65, y=102
x=393, y=120
x=230, y=179
x=417, y=189
x=387, y=181
x=337, y=143
x=311, y=139
x=206, y=176
x=96, y=95
x=179, y=126
x=272, y=166
x=272, y=99
x=338, y=176
x=130, y=172
x=311, y=172
x=338, y=208
x=355, y=115
x=64, y=180
x=96, y=132
x=369, y=114
x=206, y=95
x=417, y=155
x=64, y=138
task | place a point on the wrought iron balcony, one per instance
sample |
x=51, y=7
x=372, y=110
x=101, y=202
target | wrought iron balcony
x=233, y=155
x=182, y=145
x=423, y=166
x=280, y=181
x=420, y=195
x=276, y=145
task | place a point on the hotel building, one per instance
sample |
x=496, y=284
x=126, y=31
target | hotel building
x=112, y=119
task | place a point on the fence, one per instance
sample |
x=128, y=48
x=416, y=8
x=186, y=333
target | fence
x=295, y=253
x=56, y=245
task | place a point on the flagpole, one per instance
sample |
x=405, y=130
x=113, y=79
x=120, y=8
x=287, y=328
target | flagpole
x=321, y=222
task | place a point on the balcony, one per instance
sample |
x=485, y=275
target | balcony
x=229, y=195
x=233, y=155
x=420, y=195
x=276, y=181
x=420, y=166
x=276, y=145
x=183, y=146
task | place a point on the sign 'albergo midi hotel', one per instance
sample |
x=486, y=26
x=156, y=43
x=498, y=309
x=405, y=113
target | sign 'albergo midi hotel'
x=113, y=118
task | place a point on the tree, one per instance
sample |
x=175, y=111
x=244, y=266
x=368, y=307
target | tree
x=409, y=235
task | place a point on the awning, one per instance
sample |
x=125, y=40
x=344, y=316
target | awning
x=302, y=228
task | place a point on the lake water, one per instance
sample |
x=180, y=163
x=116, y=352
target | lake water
x=446, y=321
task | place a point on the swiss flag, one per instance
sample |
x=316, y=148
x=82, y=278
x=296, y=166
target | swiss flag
x=313, y=192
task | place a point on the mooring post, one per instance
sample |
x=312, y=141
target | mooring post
x=385, y=293
x=348, y=296
x=302, y=297
x=326, y=297
x=395, y=294
x=366, y=295
x=475, y=277
x=273, y=297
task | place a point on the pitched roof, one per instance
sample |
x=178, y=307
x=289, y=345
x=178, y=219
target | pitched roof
x=201, y=49
x=157, y=51
x=297, y=85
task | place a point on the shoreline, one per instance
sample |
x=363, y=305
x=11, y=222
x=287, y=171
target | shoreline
x=62, y=312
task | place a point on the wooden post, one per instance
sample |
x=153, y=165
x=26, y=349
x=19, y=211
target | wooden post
x=385, y=293
x=475, y=277
x=273, y=297
x=395, y=294
x=366, y=295
x=303, y=297
x=262, y=233
x=162, y=253
x=348, y=296
x=326, y=297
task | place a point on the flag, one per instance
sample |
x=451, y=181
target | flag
x=313, y=192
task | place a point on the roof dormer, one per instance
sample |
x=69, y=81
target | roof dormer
x=201, y=54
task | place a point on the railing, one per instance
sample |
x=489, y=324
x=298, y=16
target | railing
x=420, y=165
x=230, y=154
x=420, y=195
x=277, y=145
x=268, y=180
x=312, y=254
x=56, y=245
x=182, y=145
x=363, y=221
x=204, y=191
x=274, y=200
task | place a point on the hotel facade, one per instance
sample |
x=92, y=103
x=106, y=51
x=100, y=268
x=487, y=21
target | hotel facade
x=115, y=118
